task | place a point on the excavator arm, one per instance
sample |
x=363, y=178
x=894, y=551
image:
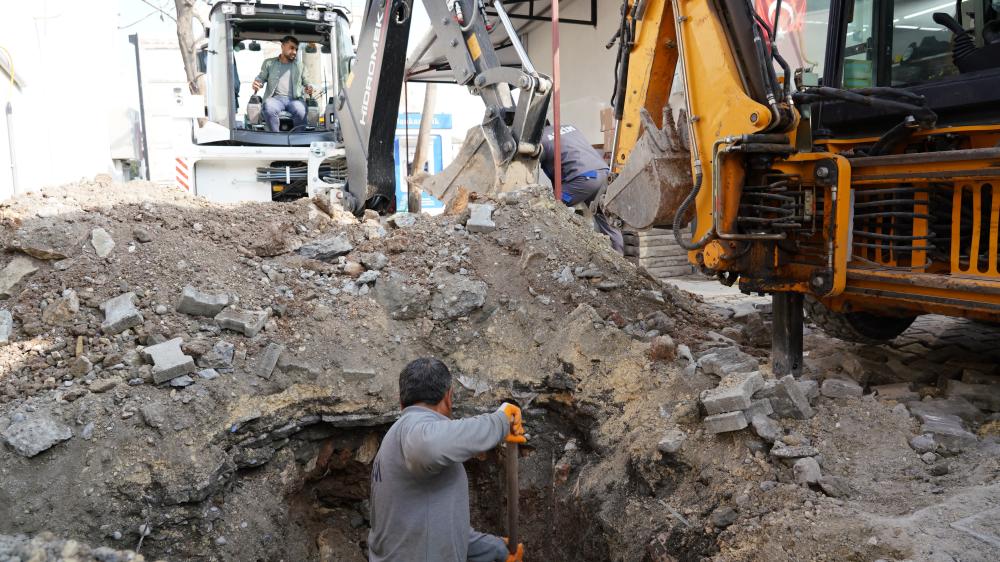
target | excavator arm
x=502, y=151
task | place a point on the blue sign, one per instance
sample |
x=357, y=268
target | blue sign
x=412, y=121
x=428, y=203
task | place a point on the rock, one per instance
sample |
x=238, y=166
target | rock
x=480, y=218
x=62, y=311
x=923, y=443
x=806, y=471
x=928, y=457
x=353, y=269
x=782, y=451
x=732, y=394
x=16, y=271
x=671, y=442
x=50, y=242
x=984, y=396
x=141, y=235
x=33, y=435
x=949, y=432
x=327, y=249
x=402, y=220
x=161, y=309
x=721, y=423
x=154, y=415
x=841, y=388
x=197, y=303
x=810, y=389
x=402, y=299
x=102, y=242
x=268, y=360
x=899, y=392
x=208, y=374
x=727, y=360
x=181, y=381
x=169, y=362
x=939, y=469
x=104, y=385
x=662, y=348
x=376, y=261
x=759, y=407
x=767, y=429
x=723, y=517
x=80, y=366
x=6, y=326
x=358, y=374
x=954, y=406
x=367, y=277
x=456, y=296
x=250, y=323
x=120, y=314
x=220, y=357
x=835, y=486
x=787, y=399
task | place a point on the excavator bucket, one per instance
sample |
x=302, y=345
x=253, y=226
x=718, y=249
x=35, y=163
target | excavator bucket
x=479, y=167
x=656, y=177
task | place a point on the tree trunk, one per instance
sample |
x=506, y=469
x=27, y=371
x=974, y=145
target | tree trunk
x=186, y=42
x=423, y=151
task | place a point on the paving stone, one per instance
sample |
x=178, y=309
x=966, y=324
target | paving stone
x=835, y=486
x=268, y=360
x=671, y=442
x=766, y=428
x=806, y=471
x=120, y=314
x=198, y=303
x=249, y=323
x=727, y=360
x=840, y=388
x=6, y=327
x=984, y=396
x=900, y=392
x=327, y=249
x=102, y=242
x=721, y=423
x=787, y=399
x=480, y=218
x=732, y=394
x=16, y=271
x=169, y=362
x=759, y=407
x=33, y=435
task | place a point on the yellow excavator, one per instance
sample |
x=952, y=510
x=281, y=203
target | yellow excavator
x=840, y=155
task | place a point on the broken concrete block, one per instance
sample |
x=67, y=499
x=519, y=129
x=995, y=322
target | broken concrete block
x=50, y=242
x=456, y=296
x=402, y=220
x=732, y=394
x=250, y=323
x=480, y=218
x=358, y=374
x=806, y=471
x=11, y=276
x=766, y=428
x=759, y=407
x=954, y=406
x=727, y=360
x=120, y=314
x=367, y=277
x=268, y=359
x=899, y=392
x=787, y=399
x=810, y=389
x=33, y=435
x=220, y=357
x=102, y=242
x=923, y=443
x=169, y=362
x=835, y=486
x=197, y=303
x=6, y=326
x=671, y=442
x=984, y=396
x=841, y=388
x=63, y=310
x=327, y=249
x=182, y=381
x=402, y=299
x=783, y=451
x=721, y=423
x=949, y=432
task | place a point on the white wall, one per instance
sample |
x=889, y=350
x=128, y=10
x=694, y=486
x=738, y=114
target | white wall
x=63, y=49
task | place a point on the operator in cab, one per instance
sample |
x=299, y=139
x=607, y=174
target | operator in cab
x=286, y=83
x=419, y=488
x=584, y=174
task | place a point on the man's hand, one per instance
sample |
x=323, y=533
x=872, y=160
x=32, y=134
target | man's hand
x=309, y=90
x=257, y=84
x=513, y=414
x=518, y=555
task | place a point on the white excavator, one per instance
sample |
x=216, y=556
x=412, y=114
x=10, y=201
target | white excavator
x=344, y=150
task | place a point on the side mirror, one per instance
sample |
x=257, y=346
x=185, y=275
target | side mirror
x=254, y=46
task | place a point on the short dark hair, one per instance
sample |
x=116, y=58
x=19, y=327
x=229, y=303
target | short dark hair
x=424, y=380
x=288, y=38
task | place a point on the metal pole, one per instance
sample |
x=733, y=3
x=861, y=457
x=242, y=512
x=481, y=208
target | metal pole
x=513, y=497
x=134, y=39
x=423, y=150
x=556, y=120
x=10, y=145
x=786, y=334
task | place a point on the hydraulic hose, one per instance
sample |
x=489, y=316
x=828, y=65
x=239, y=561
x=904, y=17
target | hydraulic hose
x=682, y=210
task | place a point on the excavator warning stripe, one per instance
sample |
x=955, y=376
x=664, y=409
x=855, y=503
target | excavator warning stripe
x=181, y=173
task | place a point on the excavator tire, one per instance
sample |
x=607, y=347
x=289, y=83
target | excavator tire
x=861, y=327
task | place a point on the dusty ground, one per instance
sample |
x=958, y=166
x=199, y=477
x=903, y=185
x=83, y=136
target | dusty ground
x=272, y=464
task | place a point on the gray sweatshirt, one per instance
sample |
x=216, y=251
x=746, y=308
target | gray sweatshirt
x=420, y=492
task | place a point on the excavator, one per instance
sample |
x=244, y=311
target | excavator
x=839, y=155
x=343, y=153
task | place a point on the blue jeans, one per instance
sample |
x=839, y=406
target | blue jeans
x=274, y=105
x=583, y=190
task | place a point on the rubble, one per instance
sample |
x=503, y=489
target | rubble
x=247, y=322
x=35, y=434
x=403, y=299
x=456, y=296
x=722, y=423
x=62, y=310
x=899, y=392
x=841, y=388
x=220, y=357
x=766, y=428
x=787, y=398
x=727, y=360
x=120, y=314
x=16, y=270
x=732, y=394
x=983, y=396
x=6, y=326
x=480, y=218
x=168, y=360
x=807, y=471
x=268, y=360
x=671, y=442
x=327, y=249
x=198, y=303
x=102, y=242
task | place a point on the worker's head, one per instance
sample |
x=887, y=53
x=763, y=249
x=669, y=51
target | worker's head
x=426, y=382
x=289, y=48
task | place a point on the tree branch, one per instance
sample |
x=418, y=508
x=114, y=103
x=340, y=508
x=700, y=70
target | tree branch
x=159, y=9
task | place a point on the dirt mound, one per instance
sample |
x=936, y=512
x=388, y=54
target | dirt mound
x=213, y=380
